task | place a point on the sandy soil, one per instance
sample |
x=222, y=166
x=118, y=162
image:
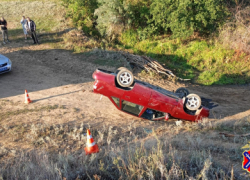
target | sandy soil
x=54, y=76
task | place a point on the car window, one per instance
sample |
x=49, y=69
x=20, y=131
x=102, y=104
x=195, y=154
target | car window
x=153, y=114
x=131, y=108
x=116, y=100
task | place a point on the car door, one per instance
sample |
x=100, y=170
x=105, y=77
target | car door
x=116, y=96
x=135, y=100
x=162, y=102
x=139, y=95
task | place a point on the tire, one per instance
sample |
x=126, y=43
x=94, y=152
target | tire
x=182, y=92
x=124, y=77
x=120, y=68
x=193, y=102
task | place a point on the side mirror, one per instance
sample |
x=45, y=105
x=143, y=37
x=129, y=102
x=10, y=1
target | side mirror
x=166, y=116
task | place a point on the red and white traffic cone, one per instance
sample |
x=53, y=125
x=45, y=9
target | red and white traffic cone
x=91, y=145
x=27, y=98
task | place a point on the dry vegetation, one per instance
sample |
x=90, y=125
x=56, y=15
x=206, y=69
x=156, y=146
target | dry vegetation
x=236, y=33
x=48, y=16
x=44, y=150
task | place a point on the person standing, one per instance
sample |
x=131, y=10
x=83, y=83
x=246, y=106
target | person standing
x=3, y=24
x=32, y=28
x=24, y=25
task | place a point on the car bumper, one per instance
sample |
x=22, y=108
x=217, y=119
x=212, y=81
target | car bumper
x=6, y=68
x=204, y=113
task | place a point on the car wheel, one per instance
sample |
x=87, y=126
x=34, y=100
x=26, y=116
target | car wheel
x=193, y=102
x=125, y=77
x=120, y=68
x=182, y=92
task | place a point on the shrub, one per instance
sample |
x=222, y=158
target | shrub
x=82, y=13
x=129, y=38
x=139, y=13
x=114, y=16
x=182, y=18
x=236, y=32
x=185, y=17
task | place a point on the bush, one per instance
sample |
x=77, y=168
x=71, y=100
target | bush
x=139, y=13
x=114, y=17
x=236, y=32
x=129, y=38
x=182, y=18
x=185, y=17
x=82, y=13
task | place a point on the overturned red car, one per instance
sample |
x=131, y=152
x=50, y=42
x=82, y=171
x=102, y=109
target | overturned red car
x=145, y=100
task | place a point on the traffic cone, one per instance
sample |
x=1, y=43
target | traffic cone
x=27, y=98
x=91, y=145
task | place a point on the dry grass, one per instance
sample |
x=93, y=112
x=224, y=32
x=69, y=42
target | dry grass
x=55, y=151
x=8, y=114
x=77, y=41
x=48, y=16
x=236, y=33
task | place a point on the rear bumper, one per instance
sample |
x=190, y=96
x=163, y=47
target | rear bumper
x=204, y=113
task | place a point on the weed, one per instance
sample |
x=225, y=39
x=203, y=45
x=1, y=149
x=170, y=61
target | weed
x=125, y=153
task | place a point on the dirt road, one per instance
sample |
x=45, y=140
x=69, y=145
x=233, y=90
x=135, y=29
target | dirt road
x=54, y=76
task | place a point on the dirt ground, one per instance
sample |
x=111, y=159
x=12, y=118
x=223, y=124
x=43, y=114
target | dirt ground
x=54, y=76
x=59, y=84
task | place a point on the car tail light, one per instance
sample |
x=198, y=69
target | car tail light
x=166, y=116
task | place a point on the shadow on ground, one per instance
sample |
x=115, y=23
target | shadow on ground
x=44, y=69
x=17, y=36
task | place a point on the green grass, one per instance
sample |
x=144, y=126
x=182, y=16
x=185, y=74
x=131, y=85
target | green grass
x=205, y=63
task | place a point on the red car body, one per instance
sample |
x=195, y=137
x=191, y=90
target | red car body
x=142, y=99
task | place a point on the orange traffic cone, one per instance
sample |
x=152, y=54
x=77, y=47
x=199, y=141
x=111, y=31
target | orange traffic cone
x=27, y=98
x=91, y=145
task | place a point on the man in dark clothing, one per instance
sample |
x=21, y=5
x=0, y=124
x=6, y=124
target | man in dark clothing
x=31, y=26
x=3, y=24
